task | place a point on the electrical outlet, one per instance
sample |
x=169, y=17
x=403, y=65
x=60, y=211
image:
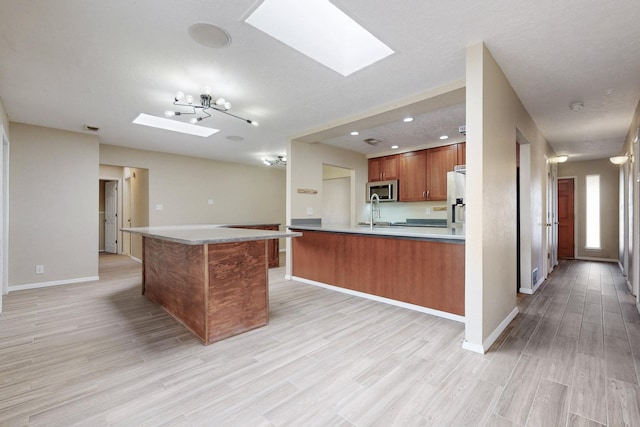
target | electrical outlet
x=427, y=211
x=159, y=207
x=39, y=269
x=309, y=211
x=210, y=201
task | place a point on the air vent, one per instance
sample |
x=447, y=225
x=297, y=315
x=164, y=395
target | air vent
x=91, y=128
x=372, y=141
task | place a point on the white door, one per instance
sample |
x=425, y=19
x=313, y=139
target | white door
x=111, y=216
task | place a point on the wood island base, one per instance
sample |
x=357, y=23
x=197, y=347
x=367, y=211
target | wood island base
x=215, y=290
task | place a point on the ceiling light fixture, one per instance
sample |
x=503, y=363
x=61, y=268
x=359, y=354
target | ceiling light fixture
x=561, y=159
x=621, y=160
x=206, y=104
x=444, y=137
x=394, y=147
x=280, y=160
x=407, y=119
x=354, y=133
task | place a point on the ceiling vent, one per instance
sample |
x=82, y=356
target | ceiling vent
x=372, y=141
x=91, y=128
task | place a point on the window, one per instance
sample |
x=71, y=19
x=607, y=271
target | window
x=593, y=211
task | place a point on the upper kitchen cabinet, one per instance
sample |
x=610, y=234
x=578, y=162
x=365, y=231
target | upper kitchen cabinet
x=412, y=176
x=383, y=168
x=440, y=161
x=462, y=153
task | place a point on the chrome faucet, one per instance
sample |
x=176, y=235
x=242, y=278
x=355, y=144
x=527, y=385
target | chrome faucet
x=374, y=198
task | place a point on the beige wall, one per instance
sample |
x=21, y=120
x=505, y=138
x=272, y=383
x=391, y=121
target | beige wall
x=493, y=115
x=609, y=207
x=53, y=202
x=306, y=172
x=183, y=185
x=139, y=213
x=4, y=126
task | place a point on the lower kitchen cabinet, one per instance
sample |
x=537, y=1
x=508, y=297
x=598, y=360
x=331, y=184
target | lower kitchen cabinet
x=273, y=245
x=426, y=273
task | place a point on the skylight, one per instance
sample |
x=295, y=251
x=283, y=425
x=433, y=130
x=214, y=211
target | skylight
x=321, y=31
x=173, y=125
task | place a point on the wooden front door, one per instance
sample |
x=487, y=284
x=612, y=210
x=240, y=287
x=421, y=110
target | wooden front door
x=565, y=218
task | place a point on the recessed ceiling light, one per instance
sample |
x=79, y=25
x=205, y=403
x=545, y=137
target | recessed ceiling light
x=393, y=147
x=209, y=35
x=444, y=137
x=173, y=125
x=354, y=133
x=407, y=119
x=320, y=30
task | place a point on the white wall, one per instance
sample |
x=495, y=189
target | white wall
x=493, y=115
x=183, y=185
x=53, y=202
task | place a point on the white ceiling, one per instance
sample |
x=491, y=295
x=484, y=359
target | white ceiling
x=65, y=64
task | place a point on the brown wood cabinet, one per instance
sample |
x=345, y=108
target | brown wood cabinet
x=462, y=153
x=426, y=273
x=383, y=168
x=273, y=245
x=440, y=161
x=412, y=176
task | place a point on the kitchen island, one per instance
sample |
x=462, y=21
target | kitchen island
x=211, y=278
x=421, y=268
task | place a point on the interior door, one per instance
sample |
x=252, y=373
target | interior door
x=111, y=216
x=566, y=218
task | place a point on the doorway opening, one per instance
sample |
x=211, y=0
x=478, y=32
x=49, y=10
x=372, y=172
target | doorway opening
x=124, y=203
x=108, y=216
x=337, y=197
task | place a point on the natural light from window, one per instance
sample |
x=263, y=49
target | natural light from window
x=320, y=30
x=593, y=211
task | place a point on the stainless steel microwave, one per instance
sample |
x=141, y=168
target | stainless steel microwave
x=387, y=191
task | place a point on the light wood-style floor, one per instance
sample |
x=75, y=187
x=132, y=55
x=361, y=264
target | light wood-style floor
x=101, y=354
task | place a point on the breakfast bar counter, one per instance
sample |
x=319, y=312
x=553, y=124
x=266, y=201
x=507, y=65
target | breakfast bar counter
x=421, y=268
x=211, y=278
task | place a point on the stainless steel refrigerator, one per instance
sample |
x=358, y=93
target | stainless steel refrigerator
x=456, y=184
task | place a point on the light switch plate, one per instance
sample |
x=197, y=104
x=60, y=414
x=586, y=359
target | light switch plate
x=309, y=211
x=210, y=201
x=159, y=207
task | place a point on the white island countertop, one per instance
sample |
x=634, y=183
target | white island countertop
x=208, y=233
x=420, y=233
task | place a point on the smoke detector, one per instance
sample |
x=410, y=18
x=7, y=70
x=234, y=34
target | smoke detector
x=576, y=106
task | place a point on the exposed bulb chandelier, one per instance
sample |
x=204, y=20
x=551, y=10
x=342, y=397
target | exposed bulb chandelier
x=280, y=160
x=201, y=111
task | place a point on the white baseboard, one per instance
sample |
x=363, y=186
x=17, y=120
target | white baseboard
x=135, y=259
x=482, y=349
x=287, y=277
x=413, y=307
x=52, y=283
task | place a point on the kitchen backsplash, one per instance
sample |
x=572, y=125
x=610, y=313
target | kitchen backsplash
x=399, y=211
